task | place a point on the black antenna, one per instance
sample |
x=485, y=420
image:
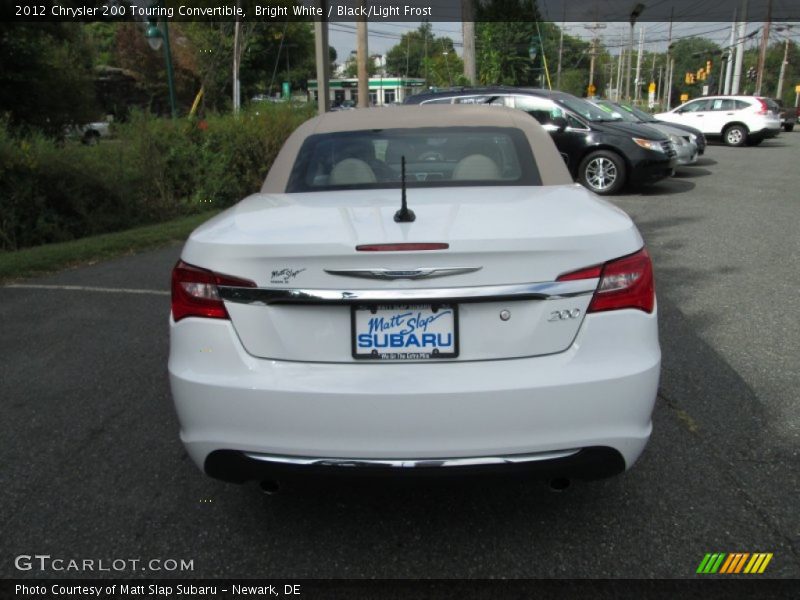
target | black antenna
x=404, y=215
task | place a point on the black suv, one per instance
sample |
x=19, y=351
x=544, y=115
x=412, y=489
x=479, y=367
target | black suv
x=602, y=153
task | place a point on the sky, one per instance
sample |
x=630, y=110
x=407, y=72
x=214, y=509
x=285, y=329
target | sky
x=382, y=36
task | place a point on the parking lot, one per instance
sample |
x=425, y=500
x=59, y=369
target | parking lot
x=93, y=467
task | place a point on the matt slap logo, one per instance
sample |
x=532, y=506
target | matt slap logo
x=732, y=563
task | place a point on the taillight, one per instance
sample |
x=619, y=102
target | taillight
x=195, y=293
x=764, y=107
x=625, y=282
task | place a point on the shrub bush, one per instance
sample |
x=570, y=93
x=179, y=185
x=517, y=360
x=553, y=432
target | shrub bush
x=153, y=169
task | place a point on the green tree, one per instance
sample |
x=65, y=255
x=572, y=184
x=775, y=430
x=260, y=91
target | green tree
x=508, y=44
x=278, y=52
x=46, y=79
x=351, y=66
x=407, y=58
x=445, y=67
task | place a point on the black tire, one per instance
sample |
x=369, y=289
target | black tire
x=91, y=137
x=735, y=135
x=789, y=127
x=603, y=172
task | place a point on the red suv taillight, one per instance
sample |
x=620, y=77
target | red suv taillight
x=625, y=282
x=764, y=107
x=195, y=293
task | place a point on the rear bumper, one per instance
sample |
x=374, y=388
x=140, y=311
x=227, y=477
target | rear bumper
x=598, y=393
x=765, y=133
x=587, y=463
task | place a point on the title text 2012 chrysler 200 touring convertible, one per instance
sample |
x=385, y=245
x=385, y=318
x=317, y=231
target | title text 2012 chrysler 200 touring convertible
x=503, y=319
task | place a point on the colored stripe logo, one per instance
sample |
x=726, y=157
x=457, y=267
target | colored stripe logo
x=734, y=562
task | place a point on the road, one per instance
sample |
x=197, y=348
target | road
x=92, y=466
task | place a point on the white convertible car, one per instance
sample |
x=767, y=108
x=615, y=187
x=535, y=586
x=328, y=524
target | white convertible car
x=421, y=290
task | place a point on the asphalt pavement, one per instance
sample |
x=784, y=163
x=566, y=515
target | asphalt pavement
x=92, y=467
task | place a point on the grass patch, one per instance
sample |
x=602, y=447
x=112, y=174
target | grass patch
x=52, y=257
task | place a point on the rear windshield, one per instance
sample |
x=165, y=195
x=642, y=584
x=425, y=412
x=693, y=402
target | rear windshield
x=435, y=157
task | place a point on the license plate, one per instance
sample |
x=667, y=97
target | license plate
x=405, y=331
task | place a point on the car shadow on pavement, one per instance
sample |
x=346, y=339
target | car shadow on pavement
x=690, y=172
x=772, y=144
x=665, y=187
x=704, y=161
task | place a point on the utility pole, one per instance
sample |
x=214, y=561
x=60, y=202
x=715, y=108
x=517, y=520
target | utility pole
x=779, y=91
x=468, y=33
x=737, y=69
x=669, y=82
x=762, y=55
x=593, y=55
x=670, y=64
x=729, y=60
x=362, y=56
x=237, y=56
x=322, y=55
x=560, y=47
x=638, y=92
x=620, y=62
x=660, y=93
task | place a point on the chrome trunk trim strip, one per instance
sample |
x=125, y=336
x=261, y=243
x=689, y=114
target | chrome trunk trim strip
x=550, y=290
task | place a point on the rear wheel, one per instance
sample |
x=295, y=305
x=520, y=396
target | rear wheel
x=91, y=137
x=735, y=135
x=788, y=127
x=603, y=172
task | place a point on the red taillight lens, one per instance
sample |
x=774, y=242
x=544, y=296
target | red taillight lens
x=195, y=293
x=764, y=107
x=625, y=282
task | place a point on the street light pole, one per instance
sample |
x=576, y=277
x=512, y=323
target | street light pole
x=628, y=65
x=170, y=73
x=637, y=10
x=155, y=38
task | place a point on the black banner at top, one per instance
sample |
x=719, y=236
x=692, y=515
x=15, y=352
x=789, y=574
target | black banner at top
x=379, y=11
x=394, y=589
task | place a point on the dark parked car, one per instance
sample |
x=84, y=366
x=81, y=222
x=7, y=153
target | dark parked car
x=602, y=153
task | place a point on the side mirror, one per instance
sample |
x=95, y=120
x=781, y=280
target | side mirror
x=560, y=123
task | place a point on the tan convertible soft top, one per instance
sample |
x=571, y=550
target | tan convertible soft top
x=551, y=166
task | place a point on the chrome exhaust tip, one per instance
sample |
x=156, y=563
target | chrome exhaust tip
x=559, y=484
x=270, y=487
